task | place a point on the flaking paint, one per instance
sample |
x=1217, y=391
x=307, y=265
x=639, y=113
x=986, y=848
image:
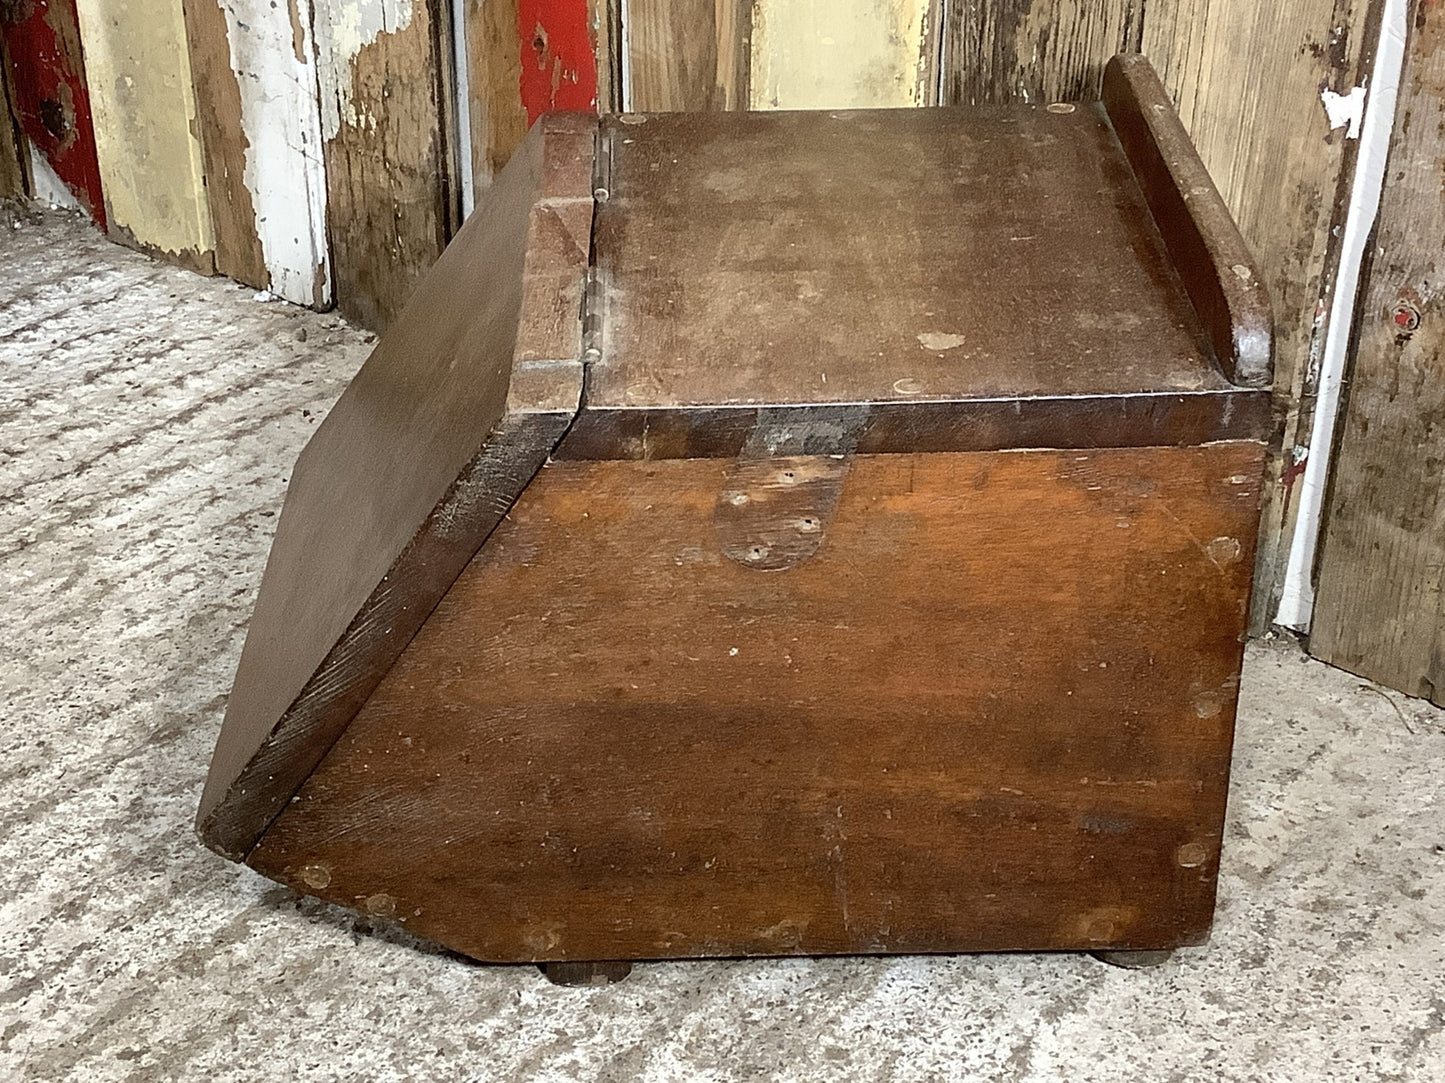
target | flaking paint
x=139, y=74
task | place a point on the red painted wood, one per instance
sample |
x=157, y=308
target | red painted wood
x=559, y=56
x=51, y=101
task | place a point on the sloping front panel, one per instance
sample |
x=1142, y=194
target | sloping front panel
x=462, y=401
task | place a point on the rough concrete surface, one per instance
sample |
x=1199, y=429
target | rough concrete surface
x=148, y=419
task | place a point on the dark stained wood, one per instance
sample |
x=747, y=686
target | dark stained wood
x=1378, y=605
x=1219, y=274
x=1034, y=51
x=774, y=258
x=460, y=403
x=993, y=710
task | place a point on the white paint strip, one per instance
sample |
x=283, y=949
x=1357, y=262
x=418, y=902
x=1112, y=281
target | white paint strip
x=624, y=15
x=285, y=168
x=462, y=91
x=1297, y=599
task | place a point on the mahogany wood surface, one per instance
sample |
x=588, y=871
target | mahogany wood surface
x=462, y=400
x=993, y=710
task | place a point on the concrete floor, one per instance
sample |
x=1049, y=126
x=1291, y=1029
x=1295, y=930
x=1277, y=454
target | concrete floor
x=148, y=419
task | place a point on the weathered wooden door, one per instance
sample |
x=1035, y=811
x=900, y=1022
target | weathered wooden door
x=1378, y=602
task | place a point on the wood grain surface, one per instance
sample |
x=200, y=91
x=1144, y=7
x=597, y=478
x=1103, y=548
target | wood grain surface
x=1034, y=51
x=1380, y=601
x=223, y=145
x=390, y=190
x=690, y=56
x=1214, y=264
x=14, y=169
x=1248, y=80
x=993, y=710
x=460, y=403
x=773, y=258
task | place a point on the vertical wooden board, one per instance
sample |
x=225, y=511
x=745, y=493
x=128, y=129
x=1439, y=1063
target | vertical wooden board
x=389, y=187
x=256, y=90
x=494, y=77
x=844, y=54
x=1034, y=50
x=12, y=143
x=1378, y=603
x=223, y=144
x=1248, y=80
x=51, y=99
x=144, y=107
x=683, y=56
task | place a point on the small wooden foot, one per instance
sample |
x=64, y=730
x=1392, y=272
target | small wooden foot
x=569, y=973
x=1133, y=960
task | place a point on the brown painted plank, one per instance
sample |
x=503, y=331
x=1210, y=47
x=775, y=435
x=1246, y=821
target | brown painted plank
x=1378, y=608
x=459, y=404
x=1247, y=79
x=390, y=184
x=499, y=121
x=992, y=710
x=1035, y=51
x=218, y=124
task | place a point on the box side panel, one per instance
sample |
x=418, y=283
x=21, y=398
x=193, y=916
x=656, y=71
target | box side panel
x=990, y=708
x=446, y=422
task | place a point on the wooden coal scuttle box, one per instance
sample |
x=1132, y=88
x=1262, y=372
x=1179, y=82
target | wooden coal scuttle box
x=779, y=533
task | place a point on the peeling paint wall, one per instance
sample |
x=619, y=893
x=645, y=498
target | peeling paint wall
x=843, y=54
x=272, y=55
x=144, y=107
x=343, y=29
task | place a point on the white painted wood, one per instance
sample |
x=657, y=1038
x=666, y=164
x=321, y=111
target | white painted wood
x=1297, y=599
x=273, y=56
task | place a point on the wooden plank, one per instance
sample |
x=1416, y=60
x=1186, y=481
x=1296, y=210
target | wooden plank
x=494, y=62
x=1248, y=80
x=51, y=99
x=984, y=282
x=1034, y=51
x=389, y=181
x=848, y=54
x=255, y=74
x=149, y=158
x=1214, y=265
x=685, y=56
x=14, y=171
x=238, y=250
x=993, y=710
x=463, y=398
x=1380, y=600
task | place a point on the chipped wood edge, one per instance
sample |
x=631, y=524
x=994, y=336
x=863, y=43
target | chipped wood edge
x=543, y=397
x=1219, y=272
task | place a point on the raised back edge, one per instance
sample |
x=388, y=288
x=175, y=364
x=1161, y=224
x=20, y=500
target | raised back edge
x=456, y=409
x=1217, y=269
